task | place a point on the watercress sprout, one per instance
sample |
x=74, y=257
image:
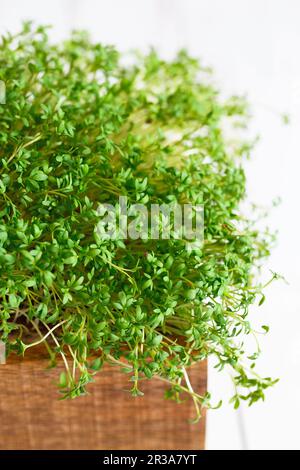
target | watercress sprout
x=78, y=129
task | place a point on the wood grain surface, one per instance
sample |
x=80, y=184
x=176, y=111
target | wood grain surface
x=109, y=418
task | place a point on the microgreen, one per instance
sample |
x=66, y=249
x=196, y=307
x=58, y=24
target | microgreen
x=78, y=129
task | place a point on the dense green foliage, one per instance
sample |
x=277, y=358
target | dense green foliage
x=79, y=128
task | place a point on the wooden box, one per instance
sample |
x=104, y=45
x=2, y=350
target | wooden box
x=109, y=418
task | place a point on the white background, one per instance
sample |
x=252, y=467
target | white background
x=254, y=46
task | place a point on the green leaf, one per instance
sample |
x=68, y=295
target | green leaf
x=13, y=301
x=39, y=176
x=71, y=260
x=97, y=364
x=48, y=278
x=63, y=381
